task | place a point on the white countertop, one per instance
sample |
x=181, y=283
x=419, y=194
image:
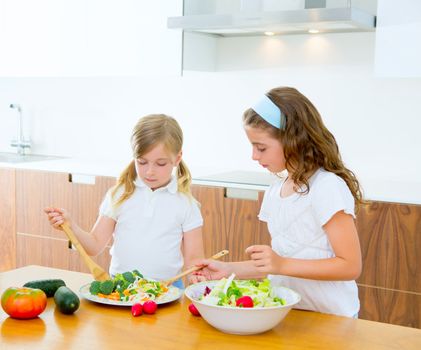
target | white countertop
x=388, y=190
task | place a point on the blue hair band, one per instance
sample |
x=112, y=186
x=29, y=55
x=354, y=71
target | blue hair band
x=270, y=112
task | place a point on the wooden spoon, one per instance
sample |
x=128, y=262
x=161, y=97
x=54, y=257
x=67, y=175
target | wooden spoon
x=96, y=270
x=194, y=268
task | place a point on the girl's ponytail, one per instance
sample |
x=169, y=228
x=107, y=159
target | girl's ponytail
x=183, y=178
x=126, y=180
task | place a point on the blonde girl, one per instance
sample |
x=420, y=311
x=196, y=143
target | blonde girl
x=310, y=213
x=151, y=215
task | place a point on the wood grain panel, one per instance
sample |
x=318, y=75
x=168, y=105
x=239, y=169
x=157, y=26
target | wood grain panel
x=7, y=219
x=243, y=229
x=39, y=189
x=229, y=223
x=53, y=252
x=212, y=208
x=36, y=190
x=86, y=199
x=390, y=235
x=76, y=263
x=390, y=306
x=41, y=250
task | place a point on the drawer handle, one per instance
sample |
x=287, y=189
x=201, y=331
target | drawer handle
x=82, y=179
x=241, y=193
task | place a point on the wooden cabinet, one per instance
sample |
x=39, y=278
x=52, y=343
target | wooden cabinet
x=7, y=219
x=37, y=242
x=390, y=236
x=229, y=223
x=390, y=283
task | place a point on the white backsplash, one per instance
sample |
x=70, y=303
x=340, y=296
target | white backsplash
x=375, y=121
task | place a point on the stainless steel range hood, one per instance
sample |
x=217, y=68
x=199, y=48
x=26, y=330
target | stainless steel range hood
x=320, y=19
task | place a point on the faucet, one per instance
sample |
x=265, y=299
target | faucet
x=19, y=143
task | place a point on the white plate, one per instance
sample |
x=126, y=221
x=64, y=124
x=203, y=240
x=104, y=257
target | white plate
x=172, y=294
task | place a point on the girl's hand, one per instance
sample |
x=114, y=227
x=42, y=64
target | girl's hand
x=195, y=278
x=265, y=259
x=212, y=269
x=57, y=217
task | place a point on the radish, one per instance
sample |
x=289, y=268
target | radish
x=137, y=310
x=149, y=307
x=245, y=301
x=194, y=310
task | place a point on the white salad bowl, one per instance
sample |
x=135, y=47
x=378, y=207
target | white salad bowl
x=238, y=320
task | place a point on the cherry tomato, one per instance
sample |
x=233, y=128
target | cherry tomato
x=194, y=310
x=137, y=309
x=23, y=303
x=149, y=307
x=245, y=301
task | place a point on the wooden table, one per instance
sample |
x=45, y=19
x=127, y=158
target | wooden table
x=96, y=326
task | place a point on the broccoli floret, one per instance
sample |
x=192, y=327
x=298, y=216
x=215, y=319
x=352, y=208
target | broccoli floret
x=128, y=276
x=95, y=287
x=120, y=286
x=106, y=287
x=137, y=273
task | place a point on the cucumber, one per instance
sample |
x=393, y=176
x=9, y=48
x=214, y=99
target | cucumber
x=48, y=286
x=66, y=300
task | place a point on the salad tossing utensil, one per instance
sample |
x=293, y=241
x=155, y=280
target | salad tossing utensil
x=194, y=268
x=96, y=270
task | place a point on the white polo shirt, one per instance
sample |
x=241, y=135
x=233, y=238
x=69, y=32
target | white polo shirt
x=296, y=224
x=149, y=229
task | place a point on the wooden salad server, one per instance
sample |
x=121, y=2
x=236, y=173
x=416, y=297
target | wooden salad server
x=194, y=268
x=96, y=270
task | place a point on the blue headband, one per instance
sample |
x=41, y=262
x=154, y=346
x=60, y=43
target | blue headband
x=270, y=112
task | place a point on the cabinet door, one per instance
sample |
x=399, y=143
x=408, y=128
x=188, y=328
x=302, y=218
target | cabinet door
x=229, y=223
x=211, y=201
x=243, y=226
x=41, y=250
x=39, y=189
x=390, y=282
x=391, y=245
x=390, y=306
x=7, y=220
x=36, y=190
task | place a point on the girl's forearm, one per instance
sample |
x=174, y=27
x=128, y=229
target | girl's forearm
x=244, y=270
x=88, y=241
x=332, y=269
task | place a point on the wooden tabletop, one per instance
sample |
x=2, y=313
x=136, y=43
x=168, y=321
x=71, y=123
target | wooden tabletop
x=97, y=326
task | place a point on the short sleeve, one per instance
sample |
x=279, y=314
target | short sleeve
x=265, y=208
x=330, y=195
x=193, y=218
x=106, y=208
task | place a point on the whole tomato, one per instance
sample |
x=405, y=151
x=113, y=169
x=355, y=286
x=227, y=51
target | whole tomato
x=23, y=303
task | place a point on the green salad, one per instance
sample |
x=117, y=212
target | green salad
x=241, y=293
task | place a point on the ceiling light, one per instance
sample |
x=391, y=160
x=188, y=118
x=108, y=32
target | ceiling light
x=313, y=31
x=269, y=33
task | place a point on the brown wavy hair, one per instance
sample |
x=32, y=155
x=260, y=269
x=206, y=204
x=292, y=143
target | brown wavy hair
x=147, y=133
x=308, y=145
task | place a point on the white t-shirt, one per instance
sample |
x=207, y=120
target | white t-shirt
x=149, y=229
x=295, y=225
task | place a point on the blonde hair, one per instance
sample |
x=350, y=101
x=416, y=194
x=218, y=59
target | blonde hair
x=307, y=143
x=148, y=133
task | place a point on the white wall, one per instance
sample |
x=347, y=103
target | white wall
x=68, y=38
x=376, y=121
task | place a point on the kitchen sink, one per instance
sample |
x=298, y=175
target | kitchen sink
x=26, y=158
